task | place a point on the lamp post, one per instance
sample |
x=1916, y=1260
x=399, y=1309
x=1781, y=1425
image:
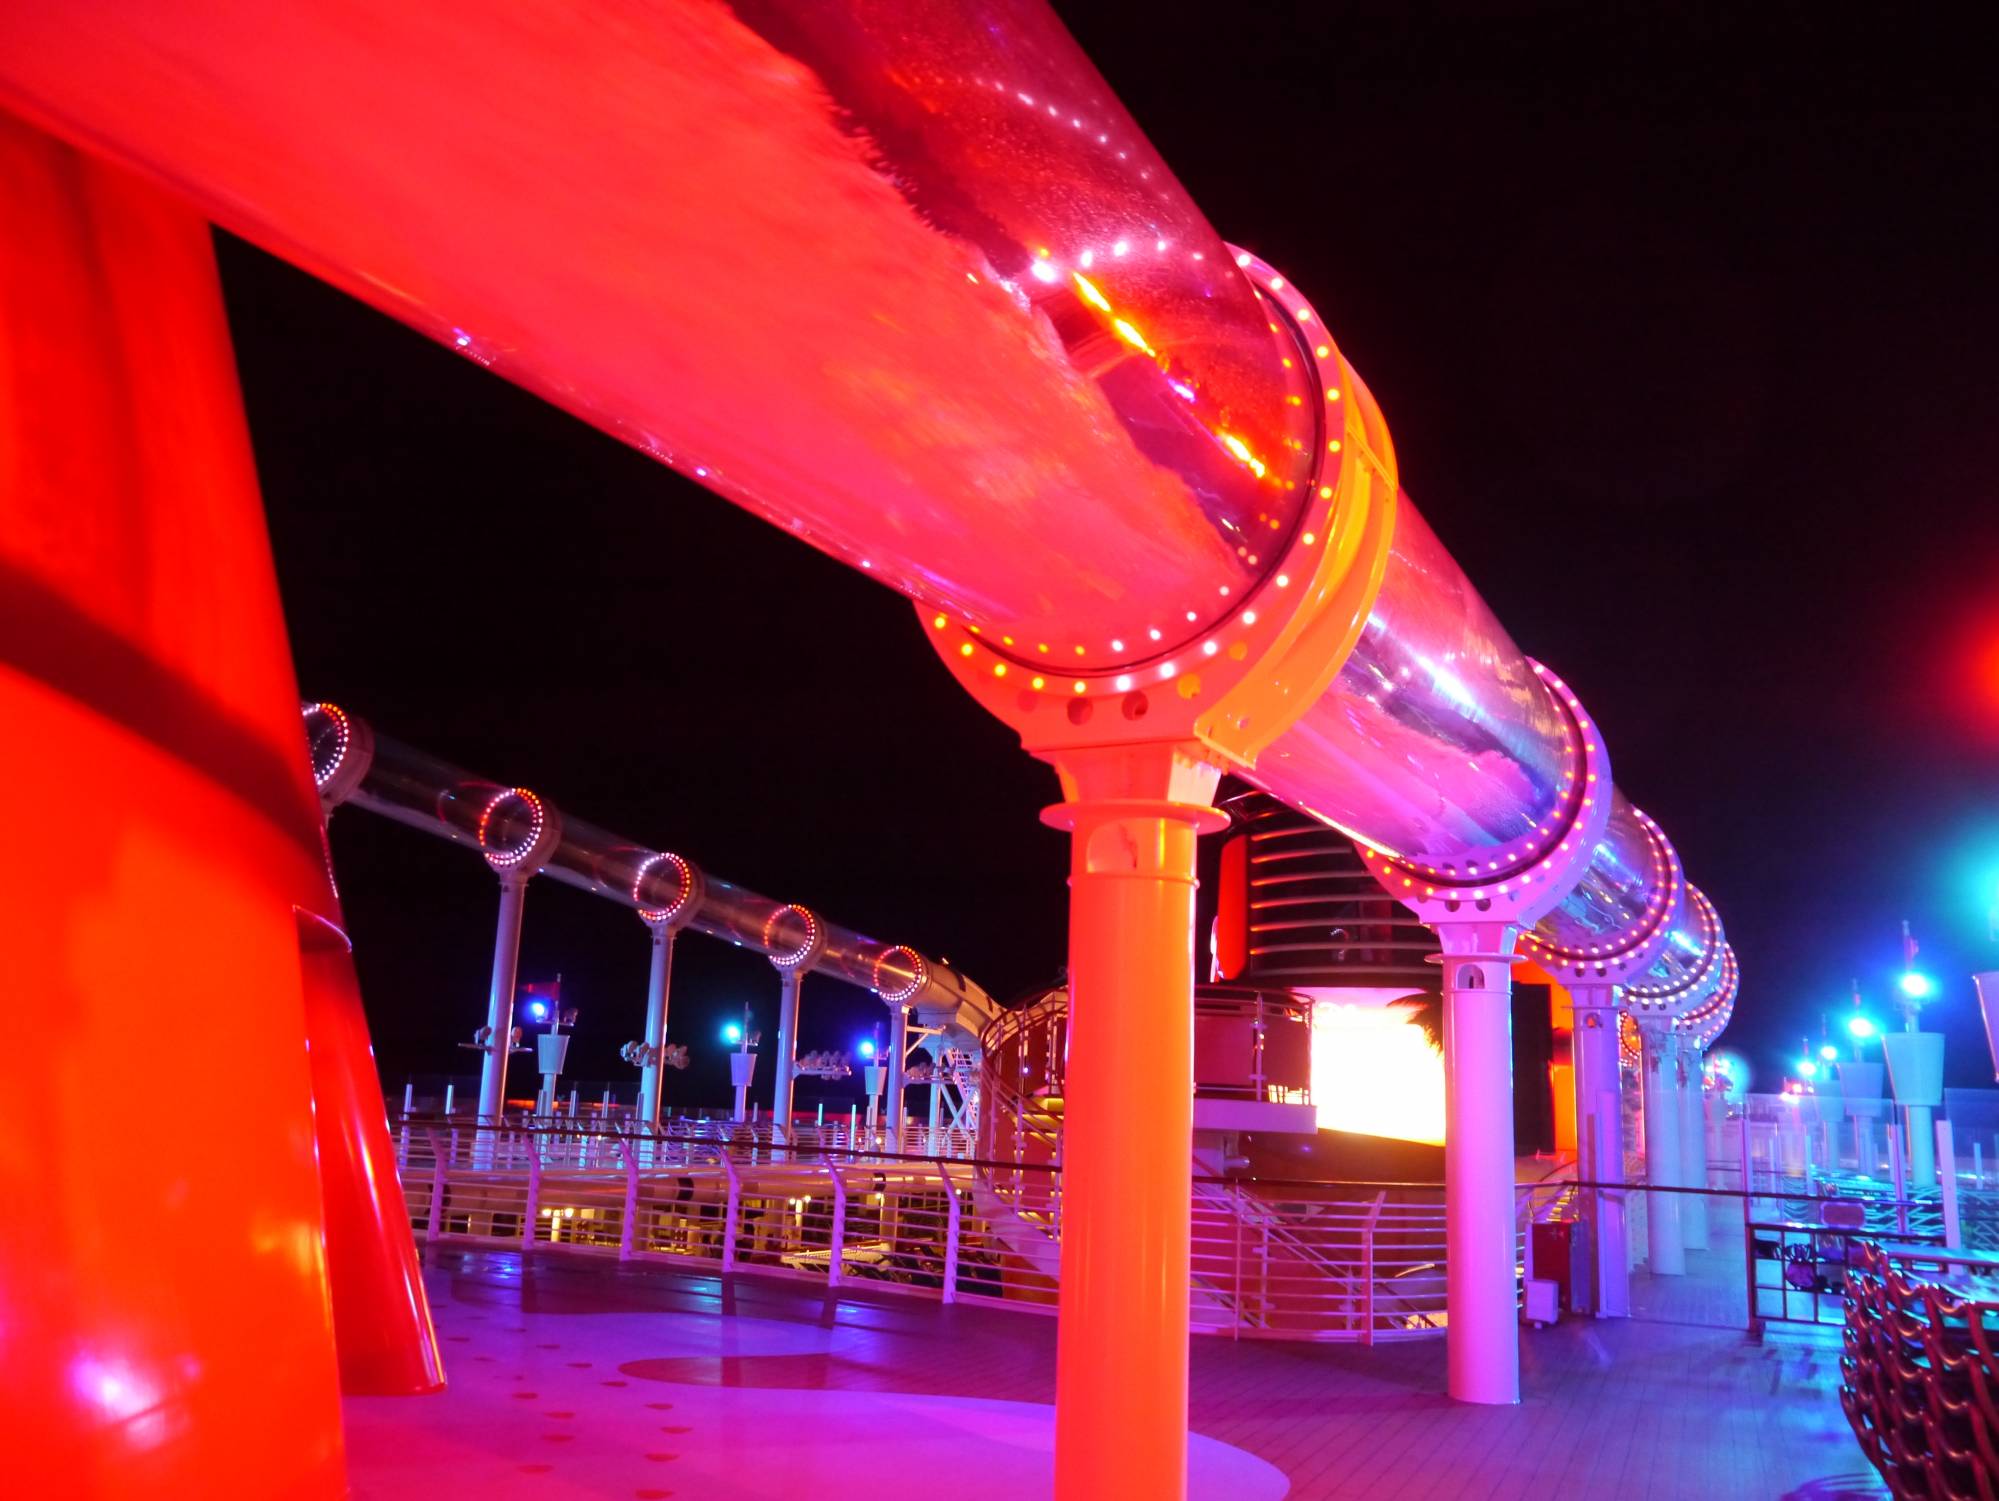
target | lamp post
x=742, y=1062
x=1915, y=1066
x=1860, y=1085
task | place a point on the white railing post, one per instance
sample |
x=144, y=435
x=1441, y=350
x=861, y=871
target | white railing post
x=534, y=1194
x=1947, y=1181
x=1367, y=1266
x=837, y=1245
x=1235, y=1255
x=628, y=1234
x=437, y=1183
x=1746, y=1149
x=1900, y=1177
x=951, y=1234
x=732, y=1215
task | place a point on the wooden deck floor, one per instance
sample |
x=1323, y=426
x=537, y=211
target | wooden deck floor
x=574, y=1378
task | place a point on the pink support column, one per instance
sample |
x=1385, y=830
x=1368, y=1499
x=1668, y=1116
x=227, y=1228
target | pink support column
x=1664, y=1243
x=1599, y=1140
x=658, y=981
x=1478, y=922
x=1480, y=1226
x=1133, y=817
x=1693, y=1146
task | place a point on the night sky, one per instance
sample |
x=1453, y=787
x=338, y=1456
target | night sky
x=1685, y=326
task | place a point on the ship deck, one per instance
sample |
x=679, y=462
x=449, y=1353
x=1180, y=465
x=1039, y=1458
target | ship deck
x=571, y=1378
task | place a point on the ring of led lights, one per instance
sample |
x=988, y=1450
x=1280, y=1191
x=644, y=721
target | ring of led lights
x=529, y=853
x=1662, y=901
x=1545, y=854
x=806, y=952
x=682, y=903
x=919, y=974
x=1668, y=1004
x=1705, y=1022
x=1237, y=683
x=341, y=757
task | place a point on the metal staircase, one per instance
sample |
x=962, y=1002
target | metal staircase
x=1310, y=1267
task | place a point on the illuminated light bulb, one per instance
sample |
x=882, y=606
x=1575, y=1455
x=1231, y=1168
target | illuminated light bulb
x=1310, y=539
x=1124, y=682
x=1209, y=648
x=1040, y=683
x=1249, y=617
x=1089, y=290
x=1332, y=393
x=1325, y=492
x=1276, y=283
x=1916, y=986
x=1041, y=646
x=1191, y=617
x=1159, y=247
x=1006, y=640
x=1088, y=258
x=1861, y=1027
x=1167, y=670
x=1304, y=315
x=1153, y=632
x=1284, y=581
x=1323, y=350
x=1242, y=260
x=965, y=650
x=1224, y=591
x=940, y=622
x=999, y=669
x=1042, y=271
x=1122, y=247
x=1079, y=687
x=1333, y=446
x=1117, y=646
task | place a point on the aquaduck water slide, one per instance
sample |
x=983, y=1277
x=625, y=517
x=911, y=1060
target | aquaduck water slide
x=903, y=278
x=522, y=834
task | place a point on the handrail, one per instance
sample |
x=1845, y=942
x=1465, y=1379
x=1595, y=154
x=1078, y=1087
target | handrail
x=1352, y=1261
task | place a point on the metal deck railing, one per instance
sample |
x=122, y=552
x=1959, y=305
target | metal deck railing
x=1302, y=1260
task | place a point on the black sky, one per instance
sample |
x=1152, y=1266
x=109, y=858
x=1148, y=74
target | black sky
x=1684, y=321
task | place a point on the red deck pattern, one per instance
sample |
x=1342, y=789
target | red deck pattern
x=572, y=1378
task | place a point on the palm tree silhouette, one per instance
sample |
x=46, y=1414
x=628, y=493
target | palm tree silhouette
x=1426, y=1010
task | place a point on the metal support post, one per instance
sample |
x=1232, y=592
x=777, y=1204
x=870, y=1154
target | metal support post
x=500, y=999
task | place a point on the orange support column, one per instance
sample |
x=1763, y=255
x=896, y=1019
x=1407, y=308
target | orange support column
x=167, y=1328
x=1128, y=1122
